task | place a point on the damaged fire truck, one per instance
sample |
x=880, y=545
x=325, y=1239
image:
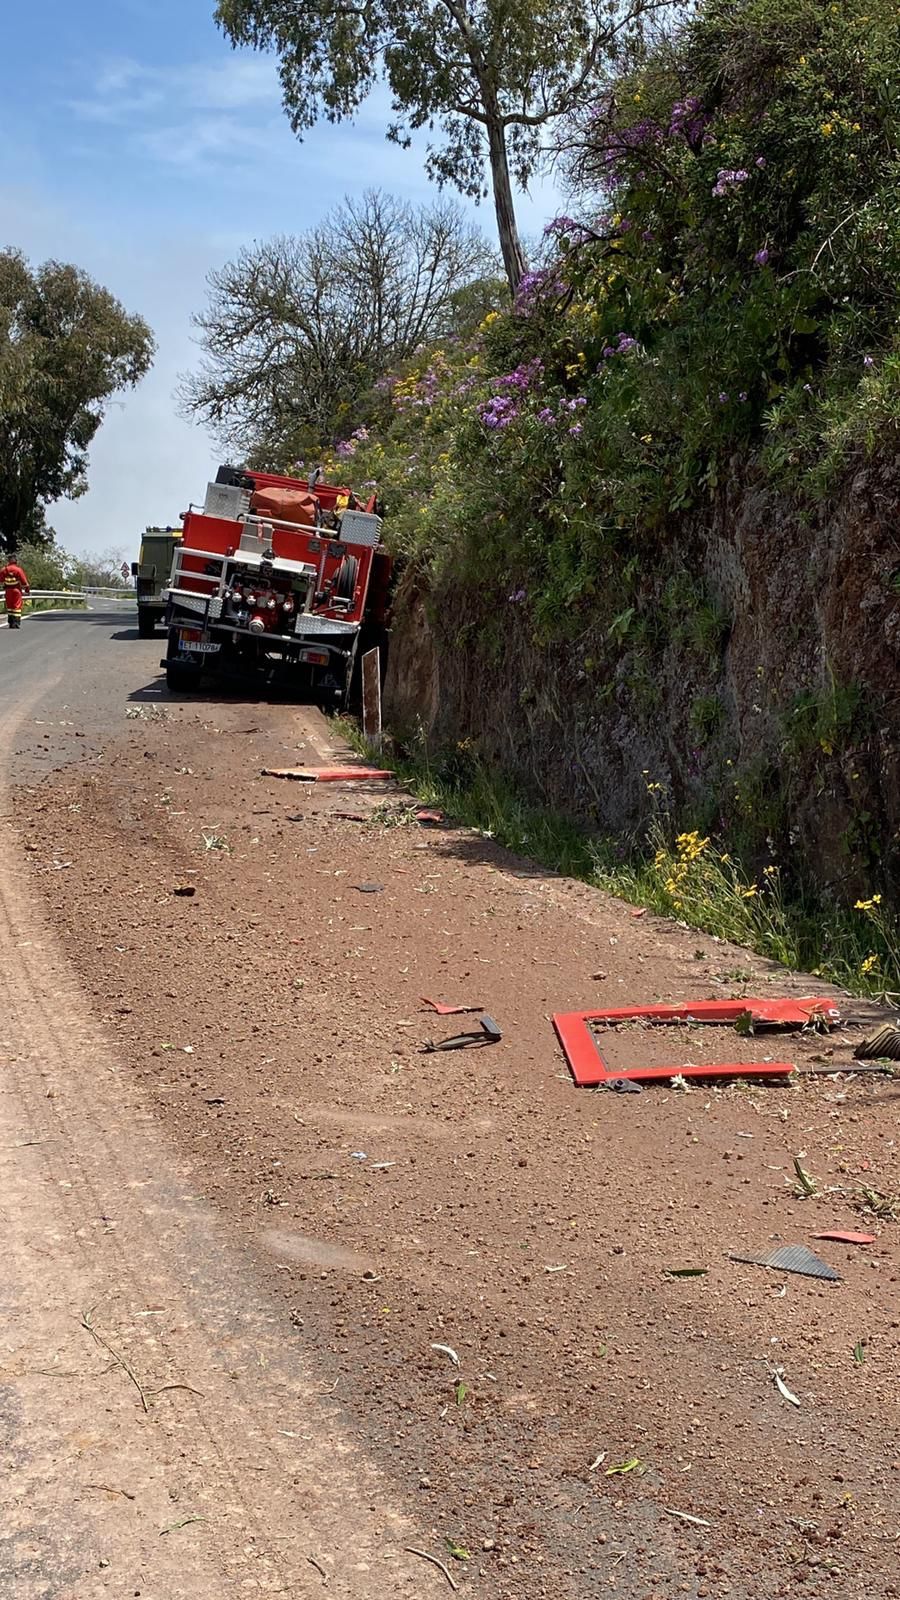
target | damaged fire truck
x=274, y=576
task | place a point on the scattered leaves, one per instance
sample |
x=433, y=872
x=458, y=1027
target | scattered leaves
x=885, y=1206
x=458, y=1551
x=806, y=1186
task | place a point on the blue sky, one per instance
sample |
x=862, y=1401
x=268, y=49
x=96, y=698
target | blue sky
x=136, y=143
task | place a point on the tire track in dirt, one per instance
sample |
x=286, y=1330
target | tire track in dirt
x=239, y=1470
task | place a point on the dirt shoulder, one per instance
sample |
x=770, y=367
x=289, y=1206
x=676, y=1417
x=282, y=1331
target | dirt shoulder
x=393, y=1201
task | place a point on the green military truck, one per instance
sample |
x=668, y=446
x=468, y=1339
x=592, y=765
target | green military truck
x=151, y=573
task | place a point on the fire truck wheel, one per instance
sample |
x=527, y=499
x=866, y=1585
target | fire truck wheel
x=180, y=678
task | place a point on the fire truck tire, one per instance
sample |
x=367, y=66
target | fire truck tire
x=180, y=678
x=146, y=622
x=347, y=574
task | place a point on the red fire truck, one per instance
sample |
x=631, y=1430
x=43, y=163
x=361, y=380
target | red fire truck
x=277, y=576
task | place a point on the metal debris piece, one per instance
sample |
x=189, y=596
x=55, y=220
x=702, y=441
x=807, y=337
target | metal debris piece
x=791, y=1258
x=185, y=890
x=885, y=1043
x=490, y=1034
x=369, y=888
x=685, y=1272
x=623, y=1086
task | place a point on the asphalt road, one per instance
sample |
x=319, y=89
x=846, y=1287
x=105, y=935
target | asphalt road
x=76, y=671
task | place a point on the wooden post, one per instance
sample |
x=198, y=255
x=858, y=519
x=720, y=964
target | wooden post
x=371, y=688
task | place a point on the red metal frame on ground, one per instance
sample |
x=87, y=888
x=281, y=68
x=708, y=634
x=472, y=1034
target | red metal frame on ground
x=589, y=1068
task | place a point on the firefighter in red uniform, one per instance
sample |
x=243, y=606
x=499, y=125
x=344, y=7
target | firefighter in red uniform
x=15, y=584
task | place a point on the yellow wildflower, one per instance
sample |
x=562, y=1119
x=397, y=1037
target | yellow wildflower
x=827, y=129
x=867, y=966
x=868, y=905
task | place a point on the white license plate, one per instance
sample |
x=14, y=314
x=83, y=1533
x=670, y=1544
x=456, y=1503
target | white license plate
x=195, y=646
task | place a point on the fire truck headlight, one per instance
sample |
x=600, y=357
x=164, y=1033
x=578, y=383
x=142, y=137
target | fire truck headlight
x=249, y=598
x=288, y=604
x=271, y=604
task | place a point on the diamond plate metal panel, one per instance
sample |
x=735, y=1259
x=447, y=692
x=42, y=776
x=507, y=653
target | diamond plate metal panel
x=792, y=1258
x=361, y=527
x=324, y=627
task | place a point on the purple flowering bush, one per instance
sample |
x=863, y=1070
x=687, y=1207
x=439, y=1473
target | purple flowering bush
x=727, y=284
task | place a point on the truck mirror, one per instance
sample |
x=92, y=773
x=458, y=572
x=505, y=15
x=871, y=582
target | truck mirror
x=134, y=569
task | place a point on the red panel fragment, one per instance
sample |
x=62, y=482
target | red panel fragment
x=447, y=1011
x=847, y=1238
x=589, y=1068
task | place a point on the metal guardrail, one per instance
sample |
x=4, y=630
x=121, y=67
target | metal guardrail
x=57, y=594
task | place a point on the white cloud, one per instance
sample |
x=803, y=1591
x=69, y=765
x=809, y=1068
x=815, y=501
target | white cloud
x=123, y=89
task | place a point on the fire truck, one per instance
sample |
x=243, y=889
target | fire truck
x=275, y=577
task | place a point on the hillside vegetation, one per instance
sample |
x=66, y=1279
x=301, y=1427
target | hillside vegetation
x=649, y=510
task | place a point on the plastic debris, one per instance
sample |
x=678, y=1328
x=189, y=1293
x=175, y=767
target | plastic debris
x=847, y=1238
x=326, y=774
x=783, y=1389
x=577, y=1033
x=447, y=1011
x=447, y=1350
